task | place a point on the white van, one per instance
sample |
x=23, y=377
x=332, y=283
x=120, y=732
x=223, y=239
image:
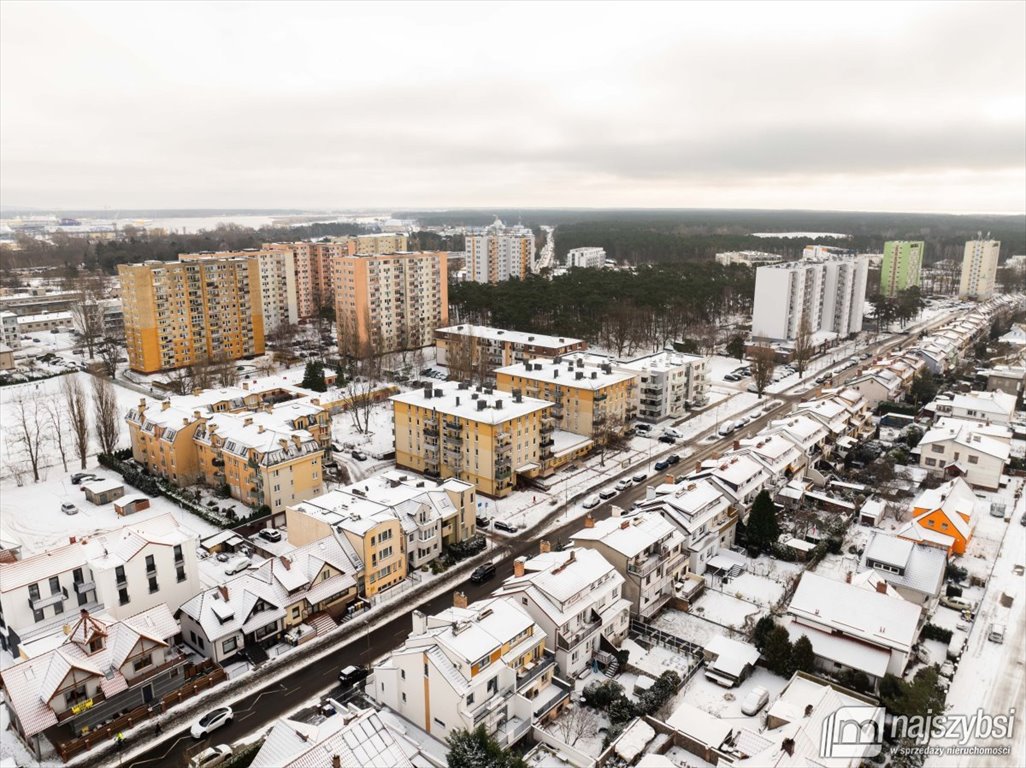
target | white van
x=956, y=644
x=996, y=634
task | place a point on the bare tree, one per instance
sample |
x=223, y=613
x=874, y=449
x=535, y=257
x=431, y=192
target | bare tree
x=109, y=350
x=202, y=374
x=764, y=362
x=57, y=416
x=28, y=428
x=459, y=358
x=576, y=723
x=86, y=314
x=365, y=374
x=78, y=419
x=803, y=347
x=179, y=381
x=105, y=412
x=224, y=371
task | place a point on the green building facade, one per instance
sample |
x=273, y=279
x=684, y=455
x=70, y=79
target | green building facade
x=902, y=266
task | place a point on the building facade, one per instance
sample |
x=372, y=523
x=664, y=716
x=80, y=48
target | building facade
x=586, y=258
x=180, y=313
x=827, y=291
x=484, y=348
x=498, y=254
x=902, y=266
x=669, y=384
x=391, y=302
x=979, y=269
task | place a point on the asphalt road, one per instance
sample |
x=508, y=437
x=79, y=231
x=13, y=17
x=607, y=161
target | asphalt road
x=261, y=708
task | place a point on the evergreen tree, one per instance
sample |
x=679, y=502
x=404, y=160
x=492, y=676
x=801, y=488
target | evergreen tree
x=313, y=376
x=777, y=652
x=802, y=657
x=736, y=347
x=476, y=749
x=763, y=528
x=763, y=627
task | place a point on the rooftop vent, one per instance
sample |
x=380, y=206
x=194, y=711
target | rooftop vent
x=482, y=404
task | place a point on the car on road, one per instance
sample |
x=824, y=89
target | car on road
x=607, y=493
x=351, y=675
x=624, y=484
x=270, y=534
x=211, y=756
x=996, y=633
x=659, y=466
x=591, y=502
x=483, y=521
x=639, y=478
x=482, y=573
x=69, y=509
x=732, y=377
x=673, y=459
x=755, y=700
x=238, y=566
x=214, y=719
x=499, y=525
x=726, y=428
x=359, y=455
x=670, y=439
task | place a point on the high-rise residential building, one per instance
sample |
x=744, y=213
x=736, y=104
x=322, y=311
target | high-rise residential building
x=828, y=291
x=390, y=302
x=669, y=384
x=184, y=312
x=277, y=268
x=499, y=253
x=586, y=258
x=380, y=244
x=312, y=265
x=812, y=251
x=902, y=266
x=979, y=268
x=747, y=258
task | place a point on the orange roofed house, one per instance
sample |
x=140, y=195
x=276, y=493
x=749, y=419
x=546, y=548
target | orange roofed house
x=944, y=517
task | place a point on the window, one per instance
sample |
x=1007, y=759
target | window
x=493, y=685
x=404, y=698
x=402, y=673
x=974, y=459
x=153, y=583
x=142, y=662
x=96, y=644
x=119, y=575
x=123, y=596
x=55, y=585
x=179, y=557
x=151, y=565
x=180, y=572
x=230, y=645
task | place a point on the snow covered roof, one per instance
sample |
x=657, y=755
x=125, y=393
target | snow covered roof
x=731, y=656
x=102, y=486
x=573, y=370
x=703, y=728
x=854, y=612
x=629, y=535
x=499, y=408
x=513, y=337
x=481, y=628
x=662, y=362
x=996, y=403
x=993, y=440
x=955, y=500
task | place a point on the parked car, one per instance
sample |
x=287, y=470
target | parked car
x=210, y=722
x=591, y=502
x=69, y=509
x=359, y=455
x=670, y=439
x=238, y=566
x=79, y=477
x=624, y=484
x=607, y=493
x=756, y=699
x=639, y=478
x=211, y=756
x=270, y=534
x=499, y=525
x=483, y=521
x=482, y=573
x=673, y=459
x=643, y=429
x=732, y=377
x=661, y=465
x=351, y=675
x=996, y=633
x=947, y=669
x=222, y=557
x=957, y=603
x=726, y=428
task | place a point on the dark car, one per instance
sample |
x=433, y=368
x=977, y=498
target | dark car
x=499, y=525
x=482, y=573
x=359, y=455
x=482, y=521
x=270, y=534
x=78, y=477
x=661, y=465
x=673, y=459
x=667, y=439
x=352, y=675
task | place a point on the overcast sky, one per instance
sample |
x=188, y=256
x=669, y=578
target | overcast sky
x=869, y=106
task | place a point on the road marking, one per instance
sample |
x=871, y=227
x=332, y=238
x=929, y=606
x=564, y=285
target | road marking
x=169, y=750
x=277, y=689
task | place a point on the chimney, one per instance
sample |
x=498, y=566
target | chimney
x=245, y=386
x=808, y=710
x=84, y=613
x=185, y=421
x=336, y=761
x=881, y=587
x=142, y=405
x=196, y=391
x=296, y=440
x=787, y=745
x=589, y=521
x=165, y=404
x=737, y=445
x=518, y=567
x=650, y=493
x=286, y=562
x=670, y=480
x=544, y=546
x=224, y=592
x=260, y=429
x=72, y=540
x=248, y=421
x=698, y=466
x=625, y=524
x=847, y=578
x=573, y=556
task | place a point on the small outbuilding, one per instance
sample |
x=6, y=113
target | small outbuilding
x=103, y=491
x=132, y=505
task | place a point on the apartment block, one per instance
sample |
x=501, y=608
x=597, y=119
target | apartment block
x=278, y=292
x=123, y=572
x=979, y=269
x=302, y=592
x=647, y=550
x=747, y=258
x=576, y=597
x=378, y=244
x=390, y=302
x=432, y=516
x=588, y=398
x=180, y=313
x=826, y=291
x=499, y=253
x=478, y=665
x=270, y=456
x=669, y=384
x=483, y=436
x=902, y=266
x=484, y=348
x=312, y=265
x=9, y=330
x=586, y=258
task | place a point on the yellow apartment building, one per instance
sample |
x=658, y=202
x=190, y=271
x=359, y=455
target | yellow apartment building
x=312, y=264
x=390, y=302
x=588, y=398
x=499, y=254
x=180, y=313
x=379, y=244
x=482, y=436
x=484, y=348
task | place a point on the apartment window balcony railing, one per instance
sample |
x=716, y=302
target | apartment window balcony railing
x=600, y=397
x=568, y=641
x=431, y=431
x=643, y=567
x=45, y=602
x=531, y=672
x=560, y=692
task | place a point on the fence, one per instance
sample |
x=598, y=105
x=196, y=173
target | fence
x=665, y=639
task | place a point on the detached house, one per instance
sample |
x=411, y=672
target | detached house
x=703, y=513
x=977, y=452
x=945, y=517
x=576, y=597
x=916, y=571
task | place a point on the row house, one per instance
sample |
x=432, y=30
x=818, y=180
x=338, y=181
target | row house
x=775, y=451
x=985, y=407
x=977, y=452
x=809, y=434
x=703, y=513
x=576, y=596
x=432, y=516
x=299, y=593
x=739, y=475
x=102, y=667
x=123, y=572
x=480, y=665
x=845, y=413
x=915, y=570
x=646, y=549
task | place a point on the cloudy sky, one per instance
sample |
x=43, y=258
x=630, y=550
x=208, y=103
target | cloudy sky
x=868, y=106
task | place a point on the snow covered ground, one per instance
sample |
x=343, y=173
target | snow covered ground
x=691, y=627
x=726, y=703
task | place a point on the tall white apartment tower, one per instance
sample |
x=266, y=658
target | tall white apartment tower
x=829, y=291
x=979, y=268
x=499, y=253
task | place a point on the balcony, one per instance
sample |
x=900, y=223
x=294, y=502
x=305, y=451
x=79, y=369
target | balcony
x=45, y=602
x=554, y=694
x=504, y=438
x=600, y=397
x=531, y=672
x=81, y=587
x=643, y=567
x=568, y=641
x=431, y=431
